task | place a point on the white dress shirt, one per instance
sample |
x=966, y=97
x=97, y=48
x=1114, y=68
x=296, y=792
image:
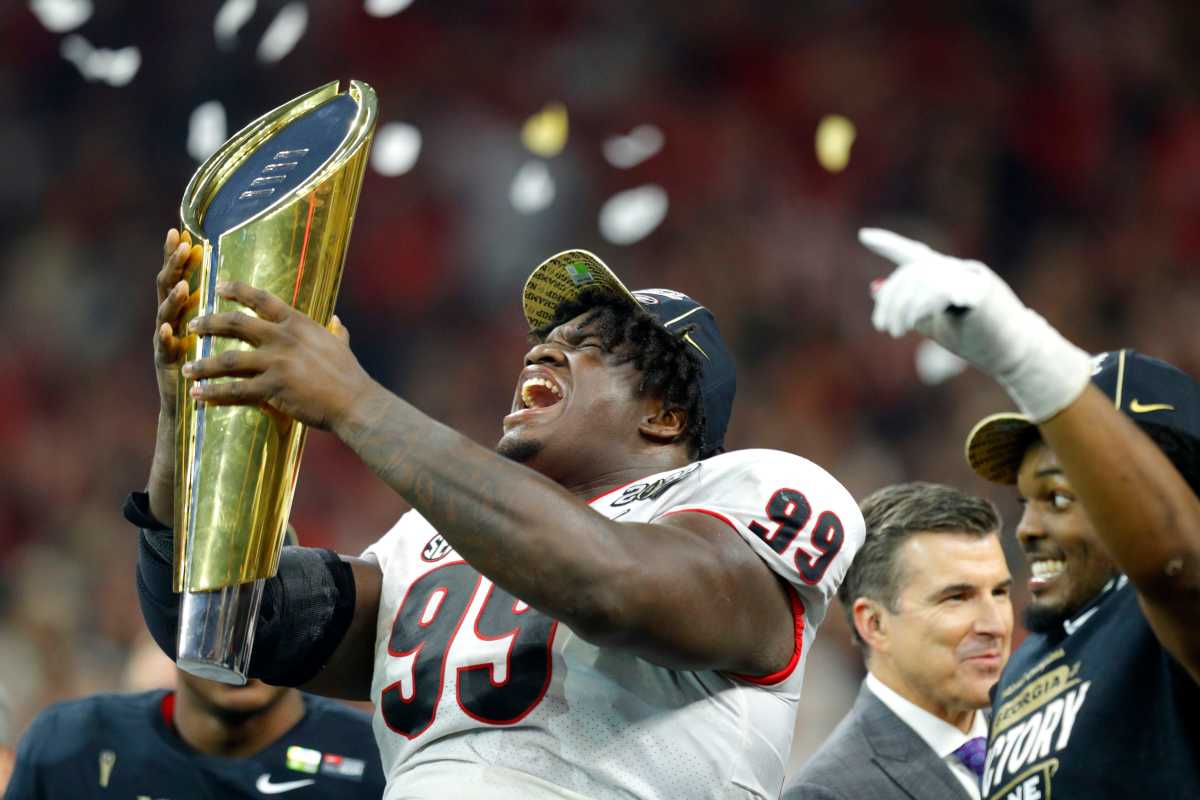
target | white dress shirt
x=940, y=735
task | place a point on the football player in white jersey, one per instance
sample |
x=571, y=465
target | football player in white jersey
x=609, y=606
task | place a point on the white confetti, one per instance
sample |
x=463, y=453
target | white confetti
x=631, y=215
x=385, y=8
x=283, y=33
x=60, y=16
x=397, y=146
x=230, y=19
x=935, y=364
x=628, y=151
x=532, y=188
x=114, y=67
x=206, y=130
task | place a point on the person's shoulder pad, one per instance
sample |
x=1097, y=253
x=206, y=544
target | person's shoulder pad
x=408, y=525
x=66, y=727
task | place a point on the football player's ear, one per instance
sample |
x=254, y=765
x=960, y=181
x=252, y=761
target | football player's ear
x=664, y=425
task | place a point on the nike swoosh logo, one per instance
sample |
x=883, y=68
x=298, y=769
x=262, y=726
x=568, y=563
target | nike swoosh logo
x=264, y=785
x=1138, y=408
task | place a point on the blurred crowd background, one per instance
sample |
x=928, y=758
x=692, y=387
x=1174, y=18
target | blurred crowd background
x=1057, y=141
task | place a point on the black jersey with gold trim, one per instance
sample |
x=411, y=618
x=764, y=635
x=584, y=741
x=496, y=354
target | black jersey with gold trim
x=1096, y=710
x=121, y=746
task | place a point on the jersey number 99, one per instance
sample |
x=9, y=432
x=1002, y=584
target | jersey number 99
x=496, y=691
x=789, y=509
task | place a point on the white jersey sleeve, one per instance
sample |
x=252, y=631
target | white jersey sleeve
x=795, y=515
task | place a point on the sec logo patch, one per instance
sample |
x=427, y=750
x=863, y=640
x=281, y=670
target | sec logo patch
x=436, y=549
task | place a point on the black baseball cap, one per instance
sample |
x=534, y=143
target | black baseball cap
x=563, y=276
x=1145, y=388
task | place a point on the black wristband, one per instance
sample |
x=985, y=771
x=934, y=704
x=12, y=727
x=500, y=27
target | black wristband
x=137, y=511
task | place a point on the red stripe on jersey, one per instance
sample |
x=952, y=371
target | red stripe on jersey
x=797, y=615
x=798, y=625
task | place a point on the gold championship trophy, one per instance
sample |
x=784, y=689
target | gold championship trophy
x=272, y=207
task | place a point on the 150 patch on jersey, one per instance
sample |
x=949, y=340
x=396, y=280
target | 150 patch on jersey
x=652, y=490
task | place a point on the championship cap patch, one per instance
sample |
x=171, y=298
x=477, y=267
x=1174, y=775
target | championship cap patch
x=578, y=272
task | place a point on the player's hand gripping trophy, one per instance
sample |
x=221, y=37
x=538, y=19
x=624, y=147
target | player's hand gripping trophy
x=272, y=208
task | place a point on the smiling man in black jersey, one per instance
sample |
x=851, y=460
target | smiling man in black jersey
x=1101, y=700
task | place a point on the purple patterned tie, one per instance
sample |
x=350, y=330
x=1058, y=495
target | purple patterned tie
x=972, y=754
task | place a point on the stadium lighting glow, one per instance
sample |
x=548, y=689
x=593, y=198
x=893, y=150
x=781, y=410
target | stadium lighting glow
x=632, y=149
x=60, y=16
x=835, y=137
x=532, y=188
x=545, y=133
x=396, y=148
x=631, y=215
x=283, y=33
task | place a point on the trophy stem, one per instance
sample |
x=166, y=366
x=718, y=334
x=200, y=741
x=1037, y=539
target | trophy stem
x=216, y=631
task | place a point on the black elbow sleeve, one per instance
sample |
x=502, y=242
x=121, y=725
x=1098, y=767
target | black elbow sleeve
x=306, y=608
x=159, y=604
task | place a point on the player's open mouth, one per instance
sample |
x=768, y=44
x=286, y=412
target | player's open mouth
x=1044, y=572
x=537, y=392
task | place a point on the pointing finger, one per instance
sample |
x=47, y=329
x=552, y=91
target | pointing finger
x=892, y=246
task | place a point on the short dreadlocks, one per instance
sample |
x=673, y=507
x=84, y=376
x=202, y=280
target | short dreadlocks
x=670, y=370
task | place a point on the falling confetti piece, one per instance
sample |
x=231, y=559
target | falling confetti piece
x=60, y=16
x=935, y=364
x=628, y=151
x=206, y=130
x=631, y=215
x=397, y=146
x=385, y=8
x=283, y=33
x=230, y=19
x=545, y=133
x=835, y=136
x=532, y=188
x=114, y=67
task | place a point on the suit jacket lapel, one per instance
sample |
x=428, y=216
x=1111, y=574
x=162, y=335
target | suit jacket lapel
x=903, y=755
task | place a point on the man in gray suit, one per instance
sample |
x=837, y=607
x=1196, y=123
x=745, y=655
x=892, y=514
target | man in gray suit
x=927, y=598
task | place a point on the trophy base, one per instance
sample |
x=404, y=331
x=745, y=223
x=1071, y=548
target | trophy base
x=216, y=632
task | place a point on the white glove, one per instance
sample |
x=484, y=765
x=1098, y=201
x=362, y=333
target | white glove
x=966, y=308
